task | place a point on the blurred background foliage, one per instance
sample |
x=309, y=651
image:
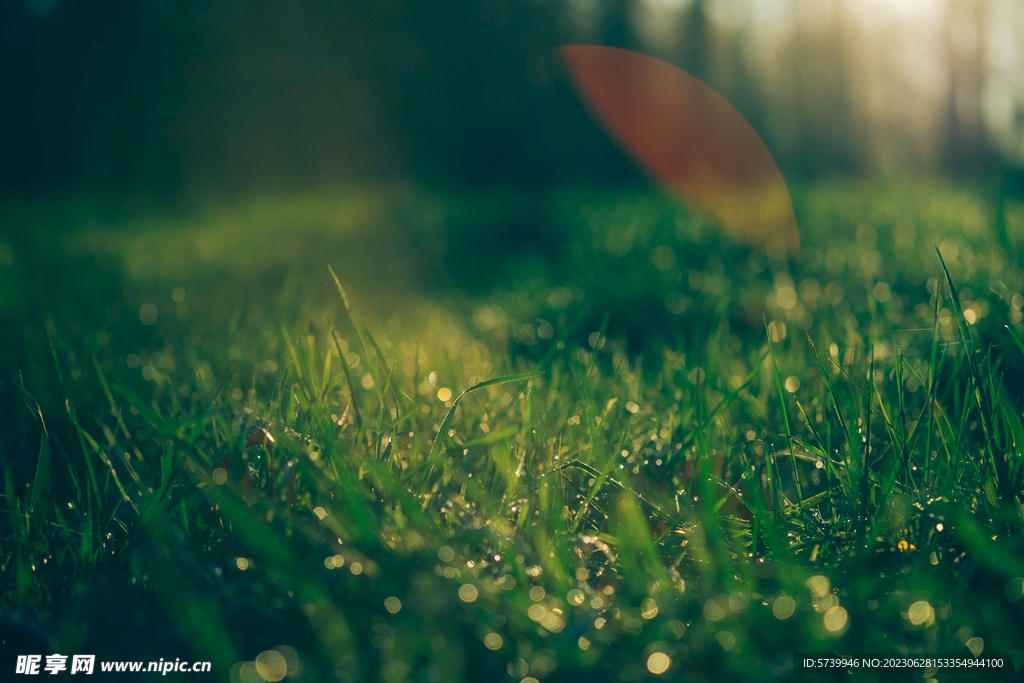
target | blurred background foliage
x=203, y=97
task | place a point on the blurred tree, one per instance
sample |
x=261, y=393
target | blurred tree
x=155, y=96
x=967, y=145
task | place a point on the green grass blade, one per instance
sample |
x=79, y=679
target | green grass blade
x=42, y=482
x=999, y=466
x=358, y=328
x=785, y=412
x=442, y=433
x=724, y=404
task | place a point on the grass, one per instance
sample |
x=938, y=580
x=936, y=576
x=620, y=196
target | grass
x=635, y=450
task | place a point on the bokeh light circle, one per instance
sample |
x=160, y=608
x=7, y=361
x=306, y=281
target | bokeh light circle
x=271, y=666
x=658, y=663
x=836, y=619
x=784, y=607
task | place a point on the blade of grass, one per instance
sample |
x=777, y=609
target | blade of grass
x=724, y=404
x=442, y=433
x=348, y=378
x=785, y=413
x=1000, y=467
x=42, y=483
x=355, y=325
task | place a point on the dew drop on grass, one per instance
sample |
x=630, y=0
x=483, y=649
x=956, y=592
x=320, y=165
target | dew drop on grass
x=882, y=292
x=544, y=663
x=518, y=667
x=835, y=618
x=785, y=297
x=777, y=331
x=271, y=666
x=784, y=607
x=714, y=612
x=920, y=612
x=658, y=663
x=291, y=658
x=819, y=586
x=739, y=599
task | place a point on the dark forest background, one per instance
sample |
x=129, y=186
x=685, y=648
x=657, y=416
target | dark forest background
x=158, y=97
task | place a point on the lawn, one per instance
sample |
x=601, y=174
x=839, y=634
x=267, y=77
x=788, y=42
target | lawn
x=380, y=433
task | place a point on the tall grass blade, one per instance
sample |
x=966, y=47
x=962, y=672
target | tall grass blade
x=42, y=483
x=785, y=412
x=999, y=465
x=442, y=433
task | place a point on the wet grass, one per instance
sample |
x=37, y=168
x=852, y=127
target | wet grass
x=646, y=452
